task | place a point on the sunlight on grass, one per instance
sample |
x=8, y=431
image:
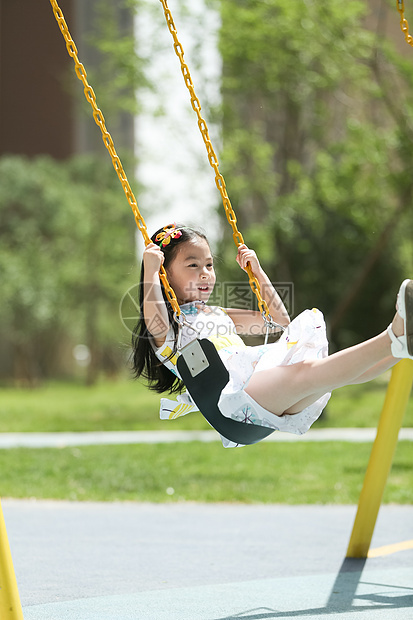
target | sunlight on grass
x=313, y=473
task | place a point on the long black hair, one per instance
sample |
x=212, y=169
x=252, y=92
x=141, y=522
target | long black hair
x=144, y=361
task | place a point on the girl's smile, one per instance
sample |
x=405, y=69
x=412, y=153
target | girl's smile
x=191, y=273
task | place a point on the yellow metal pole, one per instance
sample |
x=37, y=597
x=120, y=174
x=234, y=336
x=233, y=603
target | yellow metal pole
x=10, y=606
x=381, y=458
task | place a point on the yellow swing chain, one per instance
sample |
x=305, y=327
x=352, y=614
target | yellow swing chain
x=108, y=142
x=213, y=160
x=403, y=23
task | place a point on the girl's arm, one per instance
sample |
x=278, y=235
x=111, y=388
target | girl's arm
x=154, y=308
x=248, y=321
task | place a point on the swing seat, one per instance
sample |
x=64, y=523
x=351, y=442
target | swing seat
x=205, y=376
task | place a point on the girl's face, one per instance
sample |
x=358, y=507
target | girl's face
x=191, y=273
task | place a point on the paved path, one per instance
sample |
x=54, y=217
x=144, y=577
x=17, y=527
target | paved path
x=53, y=440
x=187, y=561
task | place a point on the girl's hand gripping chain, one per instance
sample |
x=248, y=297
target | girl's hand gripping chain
x=153, y=258
x=155, y=311
x=245, y=256
x=276, y=307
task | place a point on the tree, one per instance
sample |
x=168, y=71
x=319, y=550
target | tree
x=314, y=161
x=34, y=199
x=67, y=231
x=98, y=274
x=66, y=253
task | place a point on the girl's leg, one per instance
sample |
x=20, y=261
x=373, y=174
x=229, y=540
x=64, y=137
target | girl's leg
x=377, y=370
x=288, y=389
x=372, y=373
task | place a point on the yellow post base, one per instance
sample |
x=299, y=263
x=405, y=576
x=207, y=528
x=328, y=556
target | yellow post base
x=10, y=606
x=381, y=458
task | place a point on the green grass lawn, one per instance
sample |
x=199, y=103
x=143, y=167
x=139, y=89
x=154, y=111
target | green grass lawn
x=109, y=405
x=280, y=473
x=129, y=405
x=306, y=473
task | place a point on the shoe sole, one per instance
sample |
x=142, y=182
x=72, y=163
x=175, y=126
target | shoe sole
x=408, y=300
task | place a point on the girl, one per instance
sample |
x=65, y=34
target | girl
x=284, y=385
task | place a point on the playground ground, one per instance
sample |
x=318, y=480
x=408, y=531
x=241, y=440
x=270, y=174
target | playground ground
x=189, y=561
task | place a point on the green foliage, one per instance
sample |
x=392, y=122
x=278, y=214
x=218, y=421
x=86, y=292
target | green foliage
x=274, y=45
x=317, y=155
x=67, y=231
x=34, y=198
x=67, y=238
x=119, y=72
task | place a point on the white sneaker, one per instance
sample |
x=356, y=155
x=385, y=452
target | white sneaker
x=402, y=346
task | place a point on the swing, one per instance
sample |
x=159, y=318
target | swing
x=199, y=364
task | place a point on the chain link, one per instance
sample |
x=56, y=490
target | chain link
x=403, y=23
x=108, y=142
x=212, y=158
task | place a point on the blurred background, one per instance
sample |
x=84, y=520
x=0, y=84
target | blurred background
x=309, y=106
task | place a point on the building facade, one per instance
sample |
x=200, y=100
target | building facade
x=39, y=107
